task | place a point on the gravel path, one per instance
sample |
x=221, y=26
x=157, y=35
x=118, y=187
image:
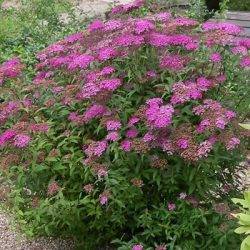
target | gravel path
x=10, y=239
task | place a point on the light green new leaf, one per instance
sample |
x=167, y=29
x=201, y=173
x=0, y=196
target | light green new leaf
x=242, y=229
x=244, y=203
x=245, y=126
x=245, y=245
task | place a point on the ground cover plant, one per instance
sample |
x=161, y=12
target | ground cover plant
x=128, y=134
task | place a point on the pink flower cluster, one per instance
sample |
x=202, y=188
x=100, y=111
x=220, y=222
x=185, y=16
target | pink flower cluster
x=96, y=149
x=157, y=114
x=245, y=62
x=124, y=8
x=228, y=28
x=10, y=69
x=173, y=62
x=214, y=116
x=9, y=109
x=20, y=135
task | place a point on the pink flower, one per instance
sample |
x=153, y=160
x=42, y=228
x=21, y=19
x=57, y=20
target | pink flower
x=57, y=90
x=94, y=111
x=55, y=48
x=166, y=145
x=132, y=132
x=158, y=40
x=192, y=46
x=74, y=37
x=11, y=68
x=133, y=120
x=216, y=57
x=180, y=39
x=245, y=62
x=40, y=127
x=183, y=92
x=89, y=90
x=113, y=125
x=112, y=25
x=230, y=114
x=148, y=137
x=124, y=8
x=221, y=78
x=163, y=16
x=127, y=40
x=74, y=117
x=137, y=247
x=183, y=21
x=203, y=83
x=7, y=136
x=182, y=196
x=220, y=123
x=232, y=143
x=244, y=42
x=203, y=125
x=112, y=136
x=158, y=116
x=117, y=9
x=88, y=188
x=110, y=84
x=107, y=53
x=53, y=188
x=96, y=148
x=171, y=206
x=213, y=139
x=126, y=145
x=151, y=74
x=142, y=26
x=107, y=71
x=182, y=143
x=204, y=148
x=173, y=62
x=228, y=28
x=102, y=172
x=104, y=197
x=154, y=102
x=80, y=61
x=96, y=25
x=239, y=50
x=21, y=140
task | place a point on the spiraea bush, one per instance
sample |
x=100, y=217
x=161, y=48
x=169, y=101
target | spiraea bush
x=128, y=135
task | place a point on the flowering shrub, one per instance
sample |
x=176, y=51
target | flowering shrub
x=129, y=131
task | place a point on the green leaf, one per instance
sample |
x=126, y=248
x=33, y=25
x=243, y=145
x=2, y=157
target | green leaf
x=244, y=203
x=245, y=245
x=244, y=219
x=242, y=229
x=245, y=126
